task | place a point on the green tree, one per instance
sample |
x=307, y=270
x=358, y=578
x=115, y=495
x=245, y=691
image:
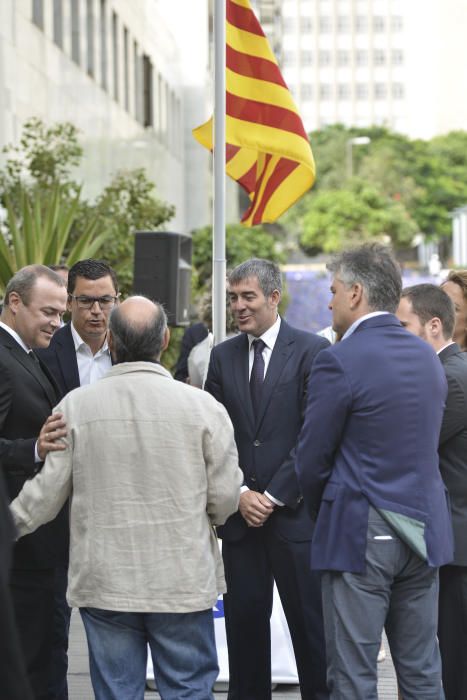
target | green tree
x=339, y=218
x=241, y=244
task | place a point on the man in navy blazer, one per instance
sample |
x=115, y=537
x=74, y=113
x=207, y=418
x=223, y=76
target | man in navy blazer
x=367, y=463
x=261, y=377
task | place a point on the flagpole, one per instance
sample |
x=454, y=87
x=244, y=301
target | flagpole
x=218, y=238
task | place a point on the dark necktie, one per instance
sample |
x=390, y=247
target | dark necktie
x=257, y=374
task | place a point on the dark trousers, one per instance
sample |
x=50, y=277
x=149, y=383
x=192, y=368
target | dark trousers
x=32, y=592
x=14, y=684
x=452, y=630
x=58, y=686
x=397, y=591
x=251, y=566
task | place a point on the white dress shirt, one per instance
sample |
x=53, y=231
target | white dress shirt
x=90, y=367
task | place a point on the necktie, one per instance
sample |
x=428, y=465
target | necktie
x=33, y=356
x=257, y=374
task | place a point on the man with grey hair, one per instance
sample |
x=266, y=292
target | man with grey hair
x=367, y=463
x=261, y=376
x=150, y=466
x=35, y=299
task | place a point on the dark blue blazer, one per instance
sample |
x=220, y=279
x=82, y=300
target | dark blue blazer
x=266, y=446
x=370, y=436
x=60, y=359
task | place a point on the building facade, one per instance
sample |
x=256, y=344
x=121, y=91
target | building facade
x=397, y=63
x=122, y=73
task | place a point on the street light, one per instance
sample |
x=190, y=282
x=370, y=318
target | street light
x=356, y=141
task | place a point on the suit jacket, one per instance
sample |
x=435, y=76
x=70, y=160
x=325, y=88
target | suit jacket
x=370, y=436
x=266, y=446
x=453, y=445
x=192, y=336
x=27, y=396
x=60, y=359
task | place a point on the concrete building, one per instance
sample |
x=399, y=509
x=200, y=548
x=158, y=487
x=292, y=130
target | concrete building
x=131, y=75
x=366, y=62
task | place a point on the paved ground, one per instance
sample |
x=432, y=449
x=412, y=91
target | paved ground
x=80, y=685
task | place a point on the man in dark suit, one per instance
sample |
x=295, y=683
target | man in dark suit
x=35, y=299
x=367, y=463
x=13, y=678
x=261, y=377
x=78, y=354
x=427, y=311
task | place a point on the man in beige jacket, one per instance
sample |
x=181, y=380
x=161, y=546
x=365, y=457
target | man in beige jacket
x=150, y=466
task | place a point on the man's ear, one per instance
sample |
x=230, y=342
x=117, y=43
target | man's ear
x=435, y=327
x=356, y=294
x=14, y=301
x=166, y=341
x=275, y=297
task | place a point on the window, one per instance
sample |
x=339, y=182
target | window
x=361, y=58
x=343, y=24
x=396, y=23
x=325, y=91
x=90, y=66
x=75, y=36
x=38, y=13
x=103, y=36
x=289, y=25
x=289, y=58
x=398, y=91
x=378, y=24
x=126, y=70
x=343, y=91
x=115, y=56
x=306, y=92
x=380, y=91
x=137, y=81
x=325, y=24
x=324, y=58
x=306, y=25
x=58, y=23
x=397, y=57
x=379, y=57
x=361, y=91
x=306, y=58
x=361, y=24
x=148, y=112
x=343, y=58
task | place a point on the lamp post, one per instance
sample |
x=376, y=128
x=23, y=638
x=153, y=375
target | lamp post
x=356, y=141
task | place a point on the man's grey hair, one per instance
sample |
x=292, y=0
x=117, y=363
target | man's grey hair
x=138, y=342
x=266, y=272
x=375, y=268
x=24, y=281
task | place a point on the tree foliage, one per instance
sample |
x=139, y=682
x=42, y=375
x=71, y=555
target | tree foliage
x=46, y=219
x=401, y=186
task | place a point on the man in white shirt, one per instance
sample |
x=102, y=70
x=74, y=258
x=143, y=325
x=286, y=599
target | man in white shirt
x=78, y=355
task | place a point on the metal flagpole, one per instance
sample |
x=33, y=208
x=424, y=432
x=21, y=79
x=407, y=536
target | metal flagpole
x=218, y=238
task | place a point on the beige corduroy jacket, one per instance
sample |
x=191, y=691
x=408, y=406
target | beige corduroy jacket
x=150, y=465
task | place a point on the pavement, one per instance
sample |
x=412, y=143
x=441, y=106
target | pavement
x=79, y=683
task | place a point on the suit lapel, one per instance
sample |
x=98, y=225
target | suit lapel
x=283, y=348
x=240, y=369
x=66, y=357
x=36, y=370
x=452, y=349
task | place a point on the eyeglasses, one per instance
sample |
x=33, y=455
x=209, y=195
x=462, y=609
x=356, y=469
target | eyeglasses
x=104, y=302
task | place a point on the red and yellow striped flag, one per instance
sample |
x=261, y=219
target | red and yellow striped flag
x=267, y=149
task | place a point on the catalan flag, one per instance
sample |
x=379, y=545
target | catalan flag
x=267, y=148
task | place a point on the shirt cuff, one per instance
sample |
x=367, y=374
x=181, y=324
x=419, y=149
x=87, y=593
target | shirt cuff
x=274, y=500
x=244, y=488
x=36, y=453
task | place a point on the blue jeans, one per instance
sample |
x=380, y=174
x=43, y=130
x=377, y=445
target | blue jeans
x=182, y=646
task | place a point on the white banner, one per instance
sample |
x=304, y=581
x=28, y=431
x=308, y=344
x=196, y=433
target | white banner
x=283, y=668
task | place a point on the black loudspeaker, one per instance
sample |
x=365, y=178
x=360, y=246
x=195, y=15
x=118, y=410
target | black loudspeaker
x=163, y=272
